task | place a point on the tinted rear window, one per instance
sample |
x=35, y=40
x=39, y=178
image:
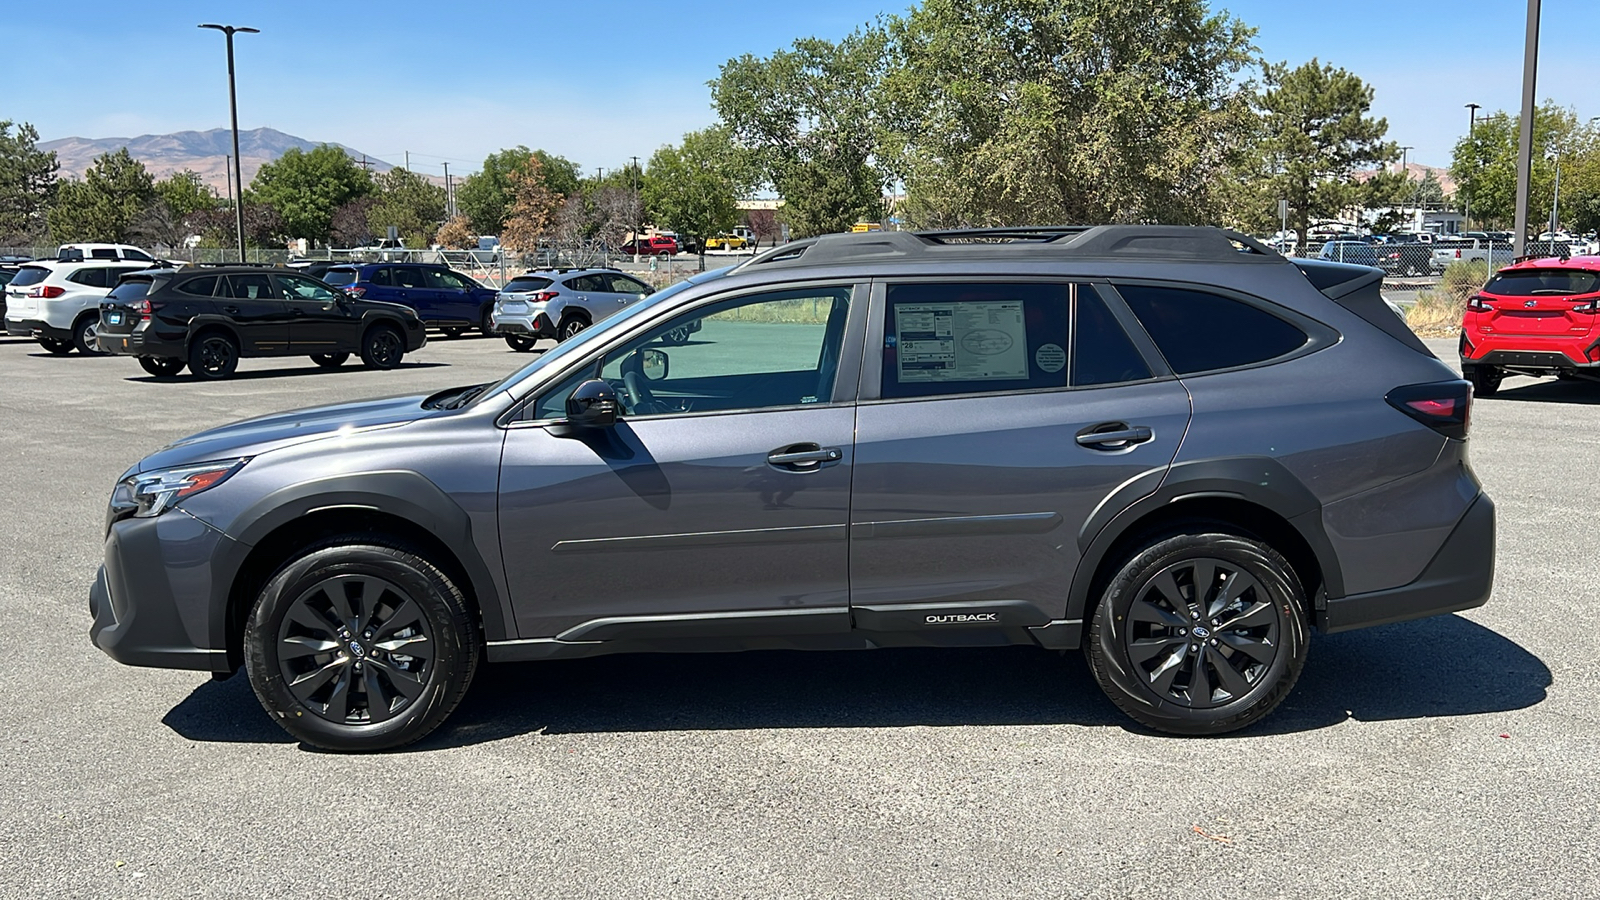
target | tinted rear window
x=339, y=277
x=30, y=275
x=1101, y=350
x=516, y=285
x=204, y=286
x=1198, y=332
x=130, y=289
x=1543, y=282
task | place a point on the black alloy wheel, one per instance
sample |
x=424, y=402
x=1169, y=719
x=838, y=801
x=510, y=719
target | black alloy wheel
x=330, y=360
x=161, y=366
x=521, y=343
x=453, y=332
x=1486, y=379
x=677, y=337
x=1200, y=633
x=214, y=356
x=360, y=645
x=55, y=347
x=382, y=347
x=84, y=334
x=570, y=327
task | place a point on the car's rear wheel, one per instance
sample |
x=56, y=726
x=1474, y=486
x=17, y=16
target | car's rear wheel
x=486, y=321
x=678, y=336
x=521, y=342
x=382, y=347
x=570, y=326
x=161, y=366
x=1200, y=633
x=453, y=332
x=213, y=355
x=360, y=645
x=1485, y=379
x=58, y=348
x=84, y=332
x=330, y=360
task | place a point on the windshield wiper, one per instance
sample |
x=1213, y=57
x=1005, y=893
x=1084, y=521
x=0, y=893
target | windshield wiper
x=466, y=396
x=453, y=398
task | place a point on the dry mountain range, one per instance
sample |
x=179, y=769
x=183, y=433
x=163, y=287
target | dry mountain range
x=204, y=152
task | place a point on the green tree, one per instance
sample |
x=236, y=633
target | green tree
x=107, y=204
x=410, y=203
x=176, y=210
x=1316, y=134
x=693, y=188
x=1484, y=166
x=485, y=197
x=812, y=118
x=27, y=184
x=1048, y=111
x=306, y=189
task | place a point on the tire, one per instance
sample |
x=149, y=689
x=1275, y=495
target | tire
x=349, y=688
x=677, y=337
x=161, y=366
x=1485, y=379
x=486, y=320
x=330, y=360
x=453, y=332
x=570, y=326
x=83, y=336
x=382, y=347
x=1143, y=649
x=55, y=347
x=521, y=343
x=213, y=355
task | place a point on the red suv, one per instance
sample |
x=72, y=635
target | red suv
x=1537, y=317
x=658, y=245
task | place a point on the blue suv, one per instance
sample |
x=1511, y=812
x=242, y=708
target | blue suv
x=443, y=299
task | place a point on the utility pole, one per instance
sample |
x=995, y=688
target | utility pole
x=638, y=209
x=449, y=195
x=1466, y=202
x=408, y=160
x=1530, y=68
x=227, y=173
x=1405, y=169
x=1555, y=199
x=233, y=111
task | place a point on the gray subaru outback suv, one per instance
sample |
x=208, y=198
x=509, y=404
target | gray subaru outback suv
x=1170, y=447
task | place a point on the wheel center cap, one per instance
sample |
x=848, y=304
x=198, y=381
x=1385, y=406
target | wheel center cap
x=357, y=649
x=1200, y=631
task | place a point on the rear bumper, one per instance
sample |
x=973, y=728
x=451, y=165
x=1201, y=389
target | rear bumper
x=1533, y=359
x=531, y=325
x=141, y=341
x=37, y=328
x=1460, y=576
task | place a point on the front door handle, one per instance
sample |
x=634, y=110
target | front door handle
x=1114, y=436
x=231, y=310
x=804, y=456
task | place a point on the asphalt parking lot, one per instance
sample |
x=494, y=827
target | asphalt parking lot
x=1451, y=757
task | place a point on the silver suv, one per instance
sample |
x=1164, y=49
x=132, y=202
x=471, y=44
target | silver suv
x=559, y=303
x=1169, y=447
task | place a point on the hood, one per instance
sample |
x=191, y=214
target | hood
x=259, y=435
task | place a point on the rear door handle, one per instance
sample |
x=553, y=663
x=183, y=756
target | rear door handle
x=1114, y=435
x=804, y=456
x=231, y=310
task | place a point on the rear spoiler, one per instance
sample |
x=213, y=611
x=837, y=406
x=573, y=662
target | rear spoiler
x=1360, y=290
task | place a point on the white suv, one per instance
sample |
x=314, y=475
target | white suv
x=57, y=302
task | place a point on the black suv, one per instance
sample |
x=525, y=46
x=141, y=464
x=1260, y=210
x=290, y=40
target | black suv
x=207, y=319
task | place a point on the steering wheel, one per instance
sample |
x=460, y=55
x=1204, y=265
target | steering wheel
x=640, y=401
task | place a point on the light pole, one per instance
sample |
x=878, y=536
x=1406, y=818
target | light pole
x=1555, y=198
x=233, y=111
x=1472, y=127
x=1530, y=68
x=1405, y=169
x=638, y=210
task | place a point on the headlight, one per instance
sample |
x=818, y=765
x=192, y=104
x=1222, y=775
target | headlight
x=148, y=494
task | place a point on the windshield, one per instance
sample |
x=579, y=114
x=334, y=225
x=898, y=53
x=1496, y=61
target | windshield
x=1543, y=283
x=339, y=277
x=577, y=346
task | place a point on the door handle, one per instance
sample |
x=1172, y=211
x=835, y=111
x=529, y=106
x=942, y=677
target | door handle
x=231, y=310
x=1114, y=436
x=804, y=456
x=296, y=311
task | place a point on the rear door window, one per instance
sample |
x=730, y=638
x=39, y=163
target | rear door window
x=407, y=277
x=381, y=278
x=253, y=286
x=1101, y=350
x=204, y=286
x=1542, y=283
x=969, y=338
x=1198, y=331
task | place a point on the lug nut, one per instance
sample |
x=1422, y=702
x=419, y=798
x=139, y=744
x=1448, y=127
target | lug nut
x=1183, y=631
x=1213, y=642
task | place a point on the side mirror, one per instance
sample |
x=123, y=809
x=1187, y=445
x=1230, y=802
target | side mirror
x=593, y=404
x=653, y=364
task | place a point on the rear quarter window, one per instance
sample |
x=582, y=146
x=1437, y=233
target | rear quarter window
x=204, y=286
x=1198, y=331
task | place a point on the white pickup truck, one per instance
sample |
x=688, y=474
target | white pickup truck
x=1455, y=251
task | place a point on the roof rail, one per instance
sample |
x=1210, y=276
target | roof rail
x=1196, y=243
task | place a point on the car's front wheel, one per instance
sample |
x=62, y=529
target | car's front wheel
x=1200, y=633
x=356, y=645
x=330, y=360
x=161, y=366
x=55, y=347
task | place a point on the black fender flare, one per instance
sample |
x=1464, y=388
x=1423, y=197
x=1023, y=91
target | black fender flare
x=203, y=321
x=1258, y=480
x=401, y=493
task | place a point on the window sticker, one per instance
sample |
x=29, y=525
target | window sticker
x=1050, y=358
x=967, y=341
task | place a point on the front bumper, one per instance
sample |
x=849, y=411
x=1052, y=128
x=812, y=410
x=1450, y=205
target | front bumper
x=1460, y=576
x=152, y=599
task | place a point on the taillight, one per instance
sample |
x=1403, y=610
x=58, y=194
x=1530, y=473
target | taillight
x=1593, y=306
x=355, y=292
x=542, y=297
x=1445, y=406
x=47, y=292
x=1479, y=304
x=141, y=308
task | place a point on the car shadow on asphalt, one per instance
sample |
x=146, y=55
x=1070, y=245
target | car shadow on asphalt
x=1549, y=391
x=256, y=374
x=1445, y=666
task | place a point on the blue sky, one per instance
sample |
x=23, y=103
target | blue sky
x=456, y=81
